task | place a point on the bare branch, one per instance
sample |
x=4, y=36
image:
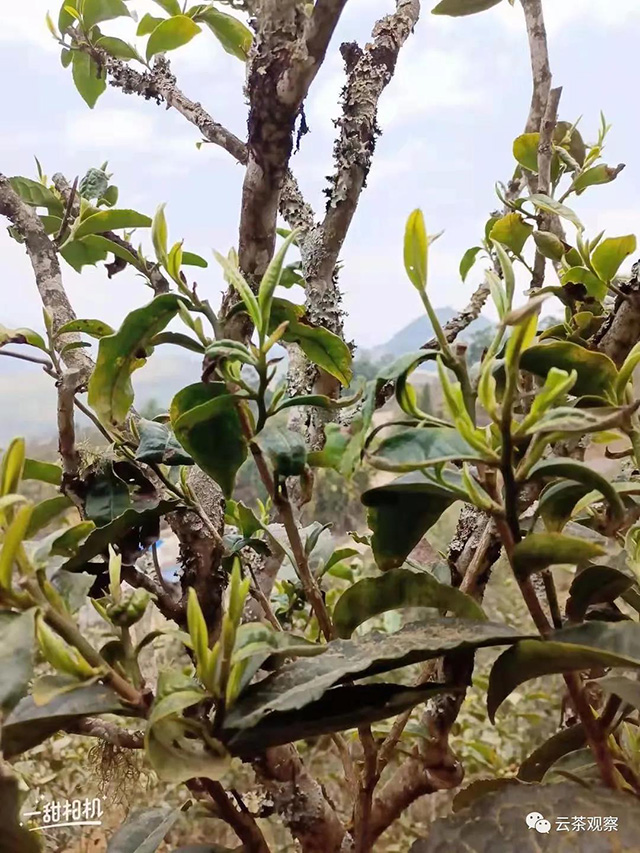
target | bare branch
x=621, y=330
x=46, y=269
x=546, y=221
x=67, y=385
x=240, y=820
x=109, y=732
x=160, y=85
x=289, y=51
x=456, y=325
x=540, y=67
x=368, y=73
x=299, y=800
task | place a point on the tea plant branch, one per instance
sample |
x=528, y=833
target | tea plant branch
x=31, y=358
x=108, y=732
x=300, y=801
x=286, y=58
x=619, y=333
x=364, y=796
x=540, y=66
x=240, y=820
x=278, y=493
x=595, y=734
x=369, y=72
x=310, y=585
x=46, y=270
x=160, y=85
x=67, y=384
x=546, y=221
x=464, y=318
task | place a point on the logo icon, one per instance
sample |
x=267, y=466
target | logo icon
x=535, y=820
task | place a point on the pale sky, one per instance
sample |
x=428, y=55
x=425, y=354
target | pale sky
x=460, y=96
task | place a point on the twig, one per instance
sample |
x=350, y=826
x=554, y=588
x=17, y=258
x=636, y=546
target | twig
x=310, y=585
x=240, y=820
x=540, y=66
x=166, y=603
x=368, y=782
x=67, y=385
x=347, y=761
x=261, y=598
x=546, y=221
x=94, y=420
x=158, y=570
x=32, y=358
x=109, y=732
x=71, y=197
x=456, y=325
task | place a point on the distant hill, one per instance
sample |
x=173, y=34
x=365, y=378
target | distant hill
x=418, y=332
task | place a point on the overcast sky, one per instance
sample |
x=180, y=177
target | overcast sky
x=459, y=97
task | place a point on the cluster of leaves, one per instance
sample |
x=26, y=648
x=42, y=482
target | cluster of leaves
x=87, y=49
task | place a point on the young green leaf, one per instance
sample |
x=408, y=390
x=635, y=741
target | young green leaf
x=457, y=8
x=148, y=24
x=399, y=588
x=420, y=448
x=538, y=551
x=237, y=280
x=88, y=77
x=96, y=11
x=549, y=245
x=45, y=472
x=512, y=231
x=271, y=278
x=468, y=260
x=171, y=7
x=11, y=469
x=321, y=346
x=45, y=512
x=37, y=194
x=118, y=48
x=232, y=34
x=205, y=421
x=525, y=150
x=601, y=174
x=95, y=328
x=550, y=205
x=110, y=220
x=596, y=372
x=416, y=250
x=610, y=255
x=171, y=34
x=110, y=389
